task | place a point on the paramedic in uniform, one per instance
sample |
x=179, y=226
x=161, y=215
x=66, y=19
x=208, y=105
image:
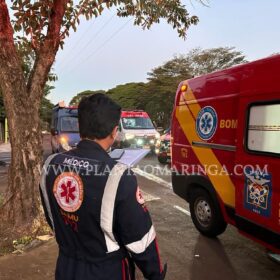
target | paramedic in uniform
x=95, y=207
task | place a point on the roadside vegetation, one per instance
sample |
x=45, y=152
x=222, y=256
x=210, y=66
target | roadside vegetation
x=157, y=95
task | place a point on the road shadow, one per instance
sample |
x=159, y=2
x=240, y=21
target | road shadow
x=211, y=261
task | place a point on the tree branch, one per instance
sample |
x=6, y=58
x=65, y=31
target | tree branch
x=47, y=51
x=6, y=30
x=62, y=36
x=11, y=73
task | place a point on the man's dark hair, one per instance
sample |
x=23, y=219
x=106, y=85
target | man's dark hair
x=98, y=116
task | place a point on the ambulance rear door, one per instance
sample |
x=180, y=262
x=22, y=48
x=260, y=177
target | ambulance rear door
x=257, y=172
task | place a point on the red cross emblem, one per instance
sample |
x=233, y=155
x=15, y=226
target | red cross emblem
x=68, y=191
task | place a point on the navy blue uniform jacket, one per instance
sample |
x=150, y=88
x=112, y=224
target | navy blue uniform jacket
x=101, y=223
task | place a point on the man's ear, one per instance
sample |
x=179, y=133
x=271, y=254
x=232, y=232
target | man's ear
x=115, y=131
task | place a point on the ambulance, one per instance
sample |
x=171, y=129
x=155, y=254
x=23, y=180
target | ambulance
x=64, y=128
x=226, y=150
x=136, y=130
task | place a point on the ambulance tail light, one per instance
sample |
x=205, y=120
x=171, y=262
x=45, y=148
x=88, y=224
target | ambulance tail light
x=184, y=88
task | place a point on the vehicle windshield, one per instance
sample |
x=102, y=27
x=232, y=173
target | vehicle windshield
x=137, y=123
x=69, y=124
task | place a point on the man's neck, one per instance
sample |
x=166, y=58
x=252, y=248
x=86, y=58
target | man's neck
x=103, y=143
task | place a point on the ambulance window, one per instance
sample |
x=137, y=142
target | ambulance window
x=69, y=124
x=54, y=123
x=137, y=123
x=264, y=128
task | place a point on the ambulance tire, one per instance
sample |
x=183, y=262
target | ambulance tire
x=162, y=160
x=206, y=213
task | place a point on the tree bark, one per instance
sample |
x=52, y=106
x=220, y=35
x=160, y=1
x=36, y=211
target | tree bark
x=21, y=206
x=22, y=102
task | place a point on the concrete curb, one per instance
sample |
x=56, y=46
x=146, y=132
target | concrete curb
x=5, y=148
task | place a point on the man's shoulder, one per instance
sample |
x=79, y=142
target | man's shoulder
x=75, y=159
x=49, y=159
x=128, y=183
x=79, y=161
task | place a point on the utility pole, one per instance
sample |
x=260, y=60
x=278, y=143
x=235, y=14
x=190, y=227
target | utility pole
x=6, y=130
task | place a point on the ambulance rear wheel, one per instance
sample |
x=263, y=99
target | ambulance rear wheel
x=206, y=213
x=162, y=159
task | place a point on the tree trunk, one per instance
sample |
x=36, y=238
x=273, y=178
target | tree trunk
x=22, y=198
x=21, y=204
x=22, y=99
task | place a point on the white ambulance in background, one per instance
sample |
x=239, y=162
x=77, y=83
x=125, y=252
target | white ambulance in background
x=136, y=130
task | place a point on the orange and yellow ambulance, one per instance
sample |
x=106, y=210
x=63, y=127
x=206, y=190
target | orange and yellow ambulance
x=226, y=150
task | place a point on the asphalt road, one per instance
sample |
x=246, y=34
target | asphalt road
x=5, y=158
x=188, y=254
x=192, y=256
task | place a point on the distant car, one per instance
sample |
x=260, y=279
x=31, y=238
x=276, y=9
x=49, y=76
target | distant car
x=163, y=147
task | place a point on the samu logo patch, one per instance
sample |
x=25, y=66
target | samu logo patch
x=206, y=123
x=68, y=190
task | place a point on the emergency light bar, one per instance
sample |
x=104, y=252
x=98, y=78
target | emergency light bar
x=61, y=104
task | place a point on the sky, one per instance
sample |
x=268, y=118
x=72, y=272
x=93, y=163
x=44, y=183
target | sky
x=109, y=51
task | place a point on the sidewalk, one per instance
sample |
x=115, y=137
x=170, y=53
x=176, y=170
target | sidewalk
x=5, y=148
x=37, y=264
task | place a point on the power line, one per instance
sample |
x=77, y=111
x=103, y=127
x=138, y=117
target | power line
x=89, y=42
x=104, y=44
x=77, y=42
x=109, y=39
